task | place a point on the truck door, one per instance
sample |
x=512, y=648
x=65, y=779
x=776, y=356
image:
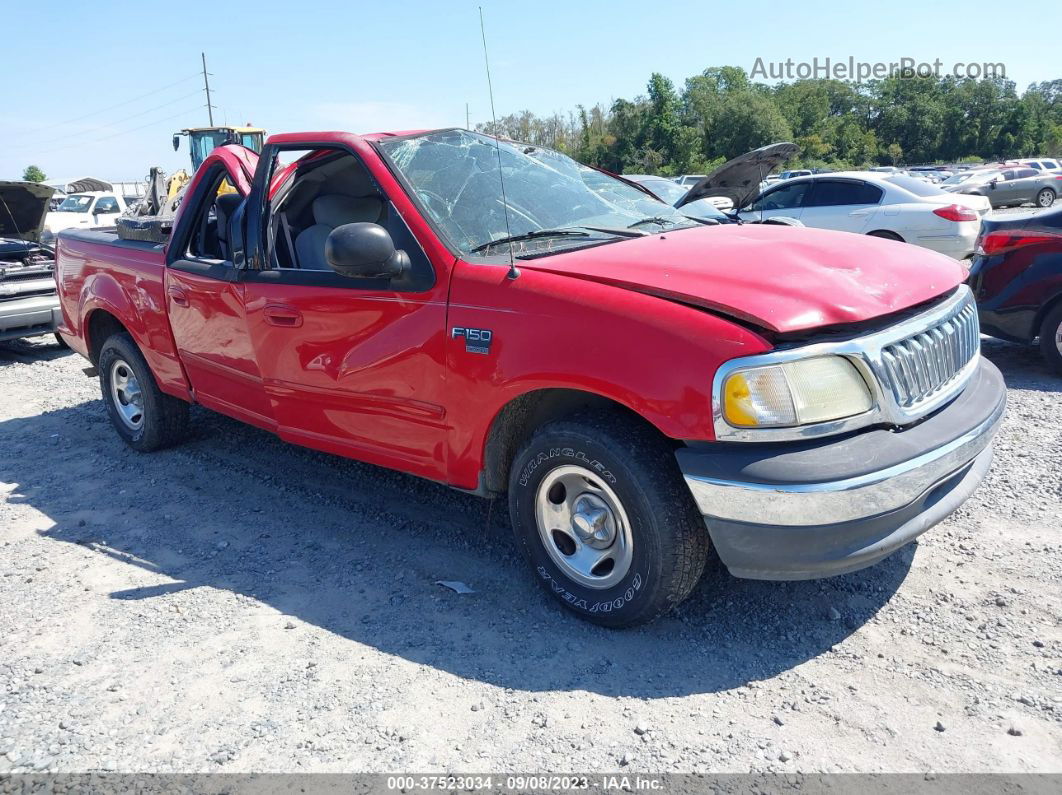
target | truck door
x=204, y=298
x=351, y=366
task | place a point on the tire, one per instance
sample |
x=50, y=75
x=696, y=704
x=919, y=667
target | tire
x=884, y=234
x=1045, y=198
x=659, y=542
x=1051, y=338
x=144, y=416
x=59, y=339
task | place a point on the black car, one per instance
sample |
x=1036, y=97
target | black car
x=1016, y=275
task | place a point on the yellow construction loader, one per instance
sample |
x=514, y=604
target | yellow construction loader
x=152, y=217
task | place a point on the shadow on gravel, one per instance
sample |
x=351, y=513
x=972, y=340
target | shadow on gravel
x=356, y=550
x=38, y=349
x=1023, y=366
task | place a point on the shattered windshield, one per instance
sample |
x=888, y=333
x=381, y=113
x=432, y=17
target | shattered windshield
x=454, y=174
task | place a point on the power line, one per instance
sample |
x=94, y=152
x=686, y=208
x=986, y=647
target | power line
x=123, y=132
x=125, y=102
x=127, y=118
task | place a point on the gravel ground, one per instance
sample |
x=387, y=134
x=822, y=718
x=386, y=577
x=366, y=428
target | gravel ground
x=238, y=604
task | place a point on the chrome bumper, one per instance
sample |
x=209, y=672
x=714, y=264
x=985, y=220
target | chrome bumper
x=28, y=317
x=841, y=500
x=825, y=508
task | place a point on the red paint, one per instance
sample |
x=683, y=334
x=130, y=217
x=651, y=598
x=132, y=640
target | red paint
x=376, y=375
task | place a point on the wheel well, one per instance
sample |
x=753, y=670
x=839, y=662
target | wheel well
x=1044, y=311
x=519, y=419
x=887, y=234
x=100, y=325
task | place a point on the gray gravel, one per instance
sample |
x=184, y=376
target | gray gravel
x=239, y=604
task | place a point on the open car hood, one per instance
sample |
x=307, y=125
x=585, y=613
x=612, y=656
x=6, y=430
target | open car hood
x=739, y=179
x=779, y=278
x=23, y=206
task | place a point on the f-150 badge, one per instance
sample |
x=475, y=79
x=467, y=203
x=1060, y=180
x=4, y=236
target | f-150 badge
x=477, y=340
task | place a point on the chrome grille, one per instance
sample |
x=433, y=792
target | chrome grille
x=920, y=366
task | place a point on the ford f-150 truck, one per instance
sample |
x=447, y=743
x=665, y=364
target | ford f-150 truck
x=643, y=387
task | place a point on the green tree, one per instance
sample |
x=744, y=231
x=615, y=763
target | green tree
x=34, y=174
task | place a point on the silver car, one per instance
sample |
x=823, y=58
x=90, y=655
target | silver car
x=1010, y=187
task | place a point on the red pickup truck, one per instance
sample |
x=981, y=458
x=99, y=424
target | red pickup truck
x=494, y=316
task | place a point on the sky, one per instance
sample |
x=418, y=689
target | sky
x=103, y=86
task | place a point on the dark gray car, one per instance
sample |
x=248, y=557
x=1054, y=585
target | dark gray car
x=1011, y=186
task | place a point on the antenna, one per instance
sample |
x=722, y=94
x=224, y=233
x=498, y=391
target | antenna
x=513, y=271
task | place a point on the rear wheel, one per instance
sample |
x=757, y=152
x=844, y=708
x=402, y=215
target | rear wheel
x=885, y=235
x=144, y=416
x=1045, y=198
x=601, y=513
x=1051, y=338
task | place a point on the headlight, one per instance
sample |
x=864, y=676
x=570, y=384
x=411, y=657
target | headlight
x=800, y=392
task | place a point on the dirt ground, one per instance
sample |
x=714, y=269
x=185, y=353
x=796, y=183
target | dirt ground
x=239, y=604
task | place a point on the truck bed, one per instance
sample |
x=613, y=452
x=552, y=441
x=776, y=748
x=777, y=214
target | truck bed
x=102, y=277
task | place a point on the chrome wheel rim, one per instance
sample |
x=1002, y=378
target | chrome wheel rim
x=126, y=395
x=1058, y=338
x=1046, y=199
x=583, y=526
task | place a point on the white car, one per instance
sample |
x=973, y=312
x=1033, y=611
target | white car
x=1051, y=164
x=887, y=205
x=85, y=210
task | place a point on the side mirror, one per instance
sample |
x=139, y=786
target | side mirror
x=176, y=142
x=365, y=251
x=992, y=183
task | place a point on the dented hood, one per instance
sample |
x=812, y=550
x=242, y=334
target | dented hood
x=739, y=179
x=23, y=206
x=780, y=278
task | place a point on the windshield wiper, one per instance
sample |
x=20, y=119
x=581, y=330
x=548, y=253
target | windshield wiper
x=576, y=231
x=656, y=219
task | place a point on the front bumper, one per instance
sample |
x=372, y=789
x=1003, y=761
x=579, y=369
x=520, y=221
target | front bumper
x=800, y=510
x=29, y=317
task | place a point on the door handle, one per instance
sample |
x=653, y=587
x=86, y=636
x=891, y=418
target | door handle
x=178, y=296
x=282, y=315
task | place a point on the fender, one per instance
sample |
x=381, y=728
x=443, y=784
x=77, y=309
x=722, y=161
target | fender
x=550, y=331
x=138, y=309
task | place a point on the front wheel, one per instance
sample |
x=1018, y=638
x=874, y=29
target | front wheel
x=1045, y=198
x=1051, y=338
x=601, y=513
x=145, y=417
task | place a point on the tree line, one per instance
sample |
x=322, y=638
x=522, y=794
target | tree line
x=838, y=124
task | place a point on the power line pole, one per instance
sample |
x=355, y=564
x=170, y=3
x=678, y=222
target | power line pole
x=468, y=124
x=206, y=85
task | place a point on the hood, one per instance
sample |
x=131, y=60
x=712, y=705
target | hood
x=739, y=179
x=23, y=206
x=780, y=278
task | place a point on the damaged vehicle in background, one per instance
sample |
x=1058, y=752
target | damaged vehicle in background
x=712, y=198
x=29, y=306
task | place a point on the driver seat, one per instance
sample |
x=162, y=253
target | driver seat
x=329, y=211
